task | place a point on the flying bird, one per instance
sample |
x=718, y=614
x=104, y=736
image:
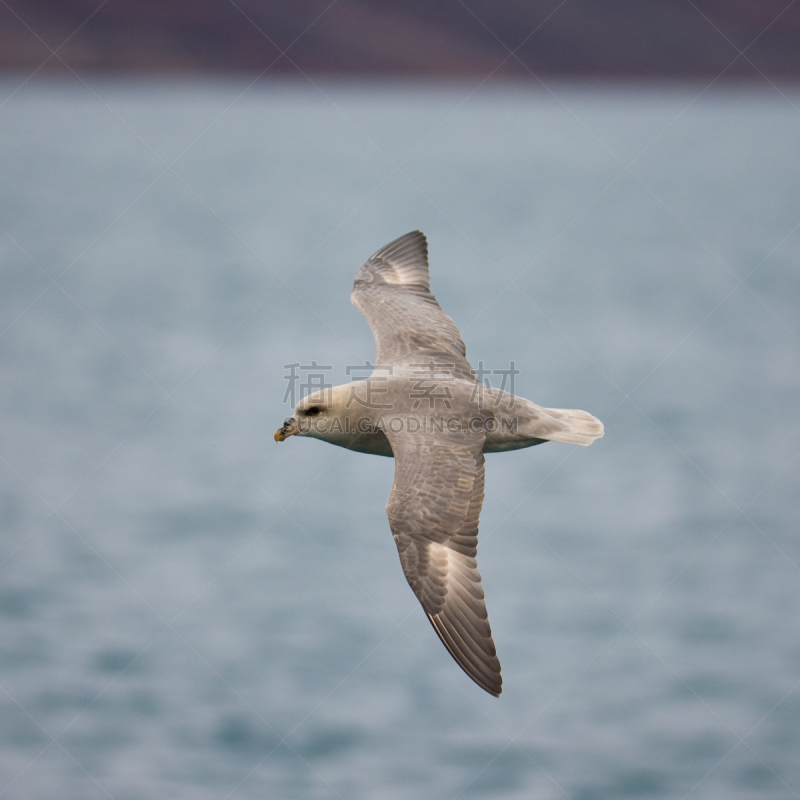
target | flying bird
x=424, y=406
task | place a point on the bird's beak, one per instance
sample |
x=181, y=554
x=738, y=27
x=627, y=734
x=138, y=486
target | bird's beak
x=289, y=429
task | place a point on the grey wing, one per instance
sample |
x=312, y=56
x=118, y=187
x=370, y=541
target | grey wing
x=392, y=290
x=433, y=514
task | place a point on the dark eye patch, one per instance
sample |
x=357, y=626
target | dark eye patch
x=313, y=411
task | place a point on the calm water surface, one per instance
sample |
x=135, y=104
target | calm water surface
x=189, y=610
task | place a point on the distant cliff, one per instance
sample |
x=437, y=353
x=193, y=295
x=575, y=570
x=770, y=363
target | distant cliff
x=413, y=38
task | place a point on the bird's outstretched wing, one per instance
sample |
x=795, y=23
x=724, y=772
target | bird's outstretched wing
x=392, y=290
x=433, y=512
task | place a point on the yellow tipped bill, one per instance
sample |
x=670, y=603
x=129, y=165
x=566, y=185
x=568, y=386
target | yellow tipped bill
x=289, y=429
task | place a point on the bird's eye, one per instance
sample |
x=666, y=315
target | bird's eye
x=313, y=411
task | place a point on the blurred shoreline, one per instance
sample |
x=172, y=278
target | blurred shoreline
x=512, y=84
x=407, y=38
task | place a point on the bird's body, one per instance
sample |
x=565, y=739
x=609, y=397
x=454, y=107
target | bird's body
x=423, y=406
x=515, y=423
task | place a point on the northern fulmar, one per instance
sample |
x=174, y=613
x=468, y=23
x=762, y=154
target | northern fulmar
x=424, y=406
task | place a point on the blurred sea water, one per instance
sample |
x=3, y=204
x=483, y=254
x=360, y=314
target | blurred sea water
x=190, y=610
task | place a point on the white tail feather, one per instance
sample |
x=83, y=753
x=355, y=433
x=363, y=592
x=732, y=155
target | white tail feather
x=579, y=427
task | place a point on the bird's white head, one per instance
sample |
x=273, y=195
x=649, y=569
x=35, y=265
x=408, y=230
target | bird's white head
x=322, y=415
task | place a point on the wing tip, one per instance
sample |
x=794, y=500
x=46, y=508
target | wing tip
x=404, y=261
x=491, y=684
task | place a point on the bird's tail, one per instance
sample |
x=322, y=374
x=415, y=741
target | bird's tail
x=576, y=427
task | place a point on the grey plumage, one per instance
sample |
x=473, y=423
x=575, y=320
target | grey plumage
x=433, y=514
x=437, y=421
x=392, y=290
